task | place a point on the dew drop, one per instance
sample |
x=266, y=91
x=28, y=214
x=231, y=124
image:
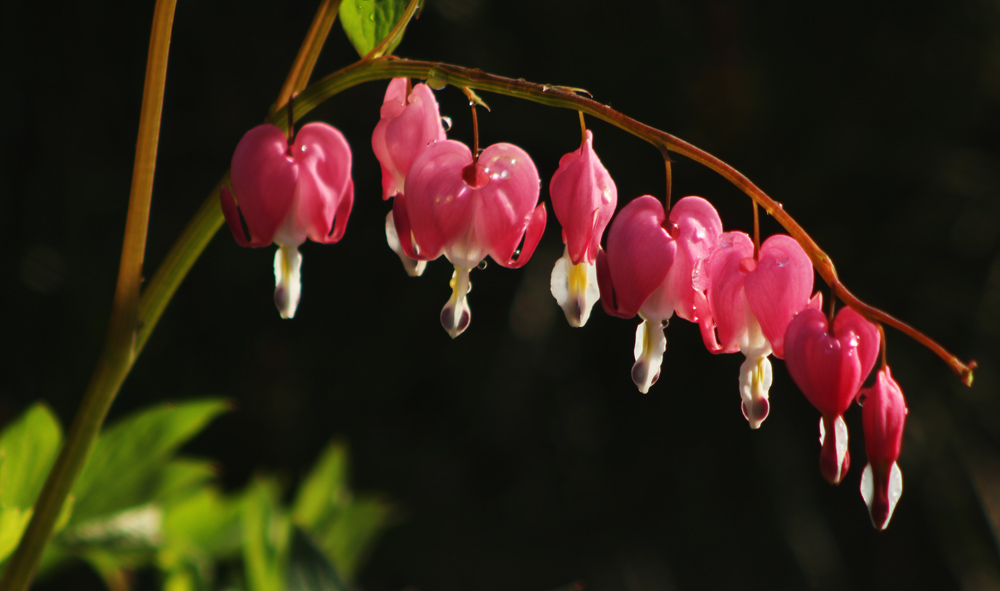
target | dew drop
x=781, y=261
x=481, y=265
x=303, y=148
x=446, y=121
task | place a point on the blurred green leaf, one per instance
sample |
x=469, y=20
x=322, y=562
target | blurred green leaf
x=351, y=532
x=309, y=569
x=129, y=464
x=324, y=488
x=12, y=523
x=28, y=447
x=265, y=537
x=367, y=22
x=344, y=526
x=205, y=524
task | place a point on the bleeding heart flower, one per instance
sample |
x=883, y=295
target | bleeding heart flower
x=752, y=300
x=649, y=269
x=829, y=367
x=408, y=124
x=467, y=209
x=285, y=190
x=584, y=198
x=883, y=413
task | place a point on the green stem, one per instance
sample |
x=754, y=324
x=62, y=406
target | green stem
x=119, y=346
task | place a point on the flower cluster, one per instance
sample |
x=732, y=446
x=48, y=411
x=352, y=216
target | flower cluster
x=658, y=262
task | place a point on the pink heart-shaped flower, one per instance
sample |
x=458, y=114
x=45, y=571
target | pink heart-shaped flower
x=467, y=211
x=286, y=193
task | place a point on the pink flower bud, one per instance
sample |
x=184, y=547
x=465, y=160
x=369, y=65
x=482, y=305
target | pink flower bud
x=883, y=414
x=584, y=198
x=286, y=191
x=408, y=124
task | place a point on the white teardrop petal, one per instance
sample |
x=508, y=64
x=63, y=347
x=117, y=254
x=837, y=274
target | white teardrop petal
x=287, y=279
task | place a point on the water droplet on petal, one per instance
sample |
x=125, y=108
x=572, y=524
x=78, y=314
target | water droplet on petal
x=782, y=260
x=446, y=122
x=303, y=148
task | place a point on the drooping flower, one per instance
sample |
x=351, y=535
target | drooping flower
x=409, y=123
x=829, y=367
x=467, y=210
x=752, y=300
x=287, y=189
x=648, y=269
x=882, y=415
x=584, y=198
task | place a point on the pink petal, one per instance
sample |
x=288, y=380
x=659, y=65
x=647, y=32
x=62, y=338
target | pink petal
x=584, y=198
x=883, y=415
x=506, y=202
x=407, y=126
x=264, y=181
x=726, y=297
x=866, y=337
x=440, y=206
x=532, y=236
x=779, y=288
x=232, y=214
x=825, y=366
x=325, y=190
x=638, y=256
x=696, y=228
x=401, y=221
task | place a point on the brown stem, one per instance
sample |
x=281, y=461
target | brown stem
x=440, y=74
x=756, y=231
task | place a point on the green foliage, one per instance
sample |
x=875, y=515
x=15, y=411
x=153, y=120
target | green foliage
x=28, y=446
x=129, y=465
x=266, y=531
x=27, y=449
x=309, y=569
x=138, y=505
x=368, y=22
x=343, y=525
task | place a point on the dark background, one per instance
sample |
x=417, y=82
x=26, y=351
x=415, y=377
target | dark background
x=521, y=456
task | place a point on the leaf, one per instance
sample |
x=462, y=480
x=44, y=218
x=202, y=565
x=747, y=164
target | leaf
x=12, y=524
x=265, y=537
x=309, y=569
x=324, y=488
x=367, y=22
x=204, y=525
x=350, y=536
x=27, y=449
x=128, y=465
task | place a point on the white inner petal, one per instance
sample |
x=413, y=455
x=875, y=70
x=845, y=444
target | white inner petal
x=575, y=288
x=287, y=279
